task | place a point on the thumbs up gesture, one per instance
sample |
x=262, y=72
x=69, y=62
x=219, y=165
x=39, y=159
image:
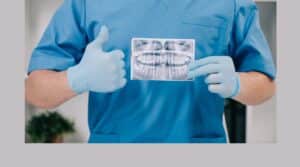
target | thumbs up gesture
x=98, y=71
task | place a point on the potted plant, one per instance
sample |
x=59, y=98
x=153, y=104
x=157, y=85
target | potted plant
x=48, y=127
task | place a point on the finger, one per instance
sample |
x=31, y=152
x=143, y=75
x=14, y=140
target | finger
x=205, y=61
x=121, y=83
x=117, y=65
x=102, y=37
x=204, y=70
x=215, y=88
x=117, y=75
x=112, y=88
x=121, y=64
x=214, y=78
x=123, y=73
x=113, y=68
x=116, y=55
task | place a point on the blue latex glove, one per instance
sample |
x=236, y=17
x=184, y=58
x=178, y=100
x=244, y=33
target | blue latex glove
x=220, y=74
x=98, y=71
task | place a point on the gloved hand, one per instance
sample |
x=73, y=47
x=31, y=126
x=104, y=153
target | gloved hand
x=220, y=75
x=98, y=71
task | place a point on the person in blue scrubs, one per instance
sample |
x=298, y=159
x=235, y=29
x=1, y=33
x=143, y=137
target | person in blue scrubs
x=86, y=48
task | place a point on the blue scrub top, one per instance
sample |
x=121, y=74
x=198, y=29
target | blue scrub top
x=155, y=111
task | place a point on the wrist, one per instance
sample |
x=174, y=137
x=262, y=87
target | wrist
x=237, y=86
x=76, y=80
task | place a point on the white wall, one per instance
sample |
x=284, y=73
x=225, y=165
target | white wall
x=261, y=119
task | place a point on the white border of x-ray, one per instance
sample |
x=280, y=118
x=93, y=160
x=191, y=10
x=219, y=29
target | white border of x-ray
x=161, y=39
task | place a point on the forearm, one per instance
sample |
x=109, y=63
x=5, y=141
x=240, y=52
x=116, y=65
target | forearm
x=255, y=88
x=47, y=89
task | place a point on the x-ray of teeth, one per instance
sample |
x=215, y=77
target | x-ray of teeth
x=161, y=59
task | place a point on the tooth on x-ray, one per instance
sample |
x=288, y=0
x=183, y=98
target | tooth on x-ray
x=161, y=59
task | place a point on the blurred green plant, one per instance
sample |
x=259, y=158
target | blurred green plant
x=48, y=127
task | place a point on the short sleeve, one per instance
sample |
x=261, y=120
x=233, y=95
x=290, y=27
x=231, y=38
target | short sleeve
x=249, y=47
x=63, y=43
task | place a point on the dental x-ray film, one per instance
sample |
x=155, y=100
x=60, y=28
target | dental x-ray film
x=161, y=59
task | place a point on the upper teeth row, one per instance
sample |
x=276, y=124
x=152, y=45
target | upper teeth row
x=163, y=58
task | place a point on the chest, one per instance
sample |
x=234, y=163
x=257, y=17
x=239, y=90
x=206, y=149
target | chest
x=207, y=22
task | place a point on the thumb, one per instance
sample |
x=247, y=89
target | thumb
x=102, y=37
